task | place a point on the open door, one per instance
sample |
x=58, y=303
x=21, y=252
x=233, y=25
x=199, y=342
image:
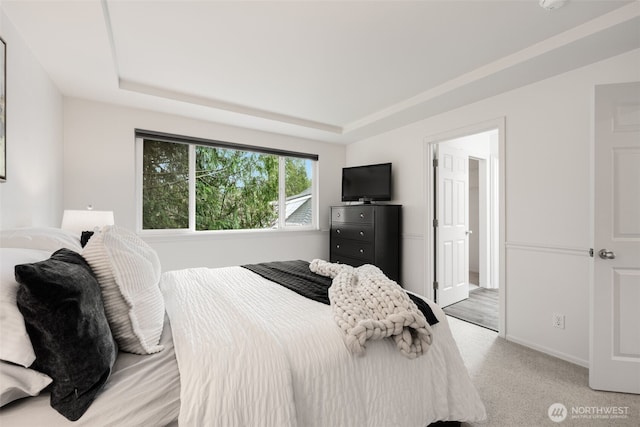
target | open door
x=614, y=363
x=451, y=225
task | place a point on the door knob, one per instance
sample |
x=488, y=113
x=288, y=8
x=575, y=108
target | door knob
x=468, y=232
x=605, y=254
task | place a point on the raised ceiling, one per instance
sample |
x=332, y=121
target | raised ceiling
x=336, y=71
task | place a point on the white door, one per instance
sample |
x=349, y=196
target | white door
x=452, y=232
x=615, y=293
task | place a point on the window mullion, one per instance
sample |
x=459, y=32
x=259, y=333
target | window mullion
x=139, y=183
x=192, y=187
x=314, y=195
x=282, y=193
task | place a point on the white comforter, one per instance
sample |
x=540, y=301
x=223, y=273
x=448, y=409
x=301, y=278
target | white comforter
x=252, y=353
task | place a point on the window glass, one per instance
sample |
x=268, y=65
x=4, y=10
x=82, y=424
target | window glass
x=165, y=185
x=235, y=189
x=298, y=191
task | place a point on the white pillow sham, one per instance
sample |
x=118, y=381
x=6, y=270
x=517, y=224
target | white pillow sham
x=17, y=382
x=128, y=271
x=43, y=238
x=15, y=343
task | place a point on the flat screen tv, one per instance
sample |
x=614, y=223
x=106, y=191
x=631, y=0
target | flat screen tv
x=366, y=183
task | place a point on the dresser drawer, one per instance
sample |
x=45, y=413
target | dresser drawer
x=358, y=232
x=353, y=249
x=367, y=234
x=357, y=214
x=339, y=259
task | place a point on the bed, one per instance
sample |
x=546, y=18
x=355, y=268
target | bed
x=229, y=347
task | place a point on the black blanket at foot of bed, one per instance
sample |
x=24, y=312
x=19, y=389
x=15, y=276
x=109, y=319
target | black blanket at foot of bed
x=296, y=276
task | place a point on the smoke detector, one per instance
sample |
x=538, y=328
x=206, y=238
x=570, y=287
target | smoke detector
x=551, y=4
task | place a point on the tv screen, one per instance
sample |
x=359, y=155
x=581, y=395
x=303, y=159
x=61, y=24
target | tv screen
x=366, y=183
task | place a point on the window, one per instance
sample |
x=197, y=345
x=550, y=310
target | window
x=199, y=185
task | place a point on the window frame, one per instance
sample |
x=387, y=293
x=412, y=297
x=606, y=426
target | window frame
x=192, y=142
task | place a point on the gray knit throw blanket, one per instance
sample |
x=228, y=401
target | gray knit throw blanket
x=367, y=305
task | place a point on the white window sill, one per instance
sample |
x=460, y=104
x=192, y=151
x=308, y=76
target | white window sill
x=151, y=236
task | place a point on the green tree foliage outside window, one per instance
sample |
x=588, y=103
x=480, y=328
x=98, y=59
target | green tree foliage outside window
x=234, y=189
x=165, y=185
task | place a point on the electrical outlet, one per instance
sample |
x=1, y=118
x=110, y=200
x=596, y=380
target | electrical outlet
x=558, y=320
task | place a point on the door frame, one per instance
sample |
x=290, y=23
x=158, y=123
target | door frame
x=429, y=178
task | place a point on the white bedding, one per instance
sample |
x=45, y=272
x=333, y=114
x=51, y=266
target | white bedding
x=252, y=353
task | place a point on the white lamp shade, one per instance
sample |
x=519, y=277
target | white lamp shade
x=79, y=221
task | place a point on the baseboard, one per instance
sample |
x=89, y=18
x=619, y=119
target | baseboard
x=548, y=351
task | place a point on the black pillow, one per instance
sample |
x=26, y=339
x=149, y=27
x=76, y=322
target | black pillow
x=62, y=306
x=84, y=238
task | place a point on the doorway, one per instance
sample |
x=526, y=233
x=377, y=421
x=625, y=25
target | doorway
x=466, y=264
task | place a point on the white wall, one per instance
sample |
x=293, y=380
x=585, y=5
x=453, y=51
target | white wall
x=99, y=153
x=548, y=202
x=32, y=194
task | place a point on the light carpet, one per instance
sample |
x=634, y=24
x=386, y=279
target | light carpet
x=518, y=384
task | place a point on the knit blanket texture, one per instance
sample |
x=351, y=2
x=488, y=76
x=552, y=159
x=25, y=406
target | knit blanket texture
x=367, y=305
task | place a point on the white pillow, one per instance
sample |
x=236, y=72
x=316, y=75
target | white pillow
x=128, y=271
x=17, y=382
x=44, y=238
x=15, y=343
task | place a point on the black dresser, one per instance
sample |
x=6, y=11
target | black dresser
x=367, y=234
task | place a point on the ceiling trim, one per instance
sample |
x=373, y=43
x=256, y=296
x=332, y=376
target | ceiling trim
x=223, y=105
x=107, y=22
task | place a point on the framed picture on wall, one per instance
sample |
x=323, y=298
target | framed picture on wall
x=3, y=111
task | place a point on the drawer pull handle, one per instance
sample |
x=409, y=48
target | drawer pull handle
x=338, y=231
x=337, y=246
x=338, y=214
x=361, y=215
x=361, y=251
x=362, y=233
